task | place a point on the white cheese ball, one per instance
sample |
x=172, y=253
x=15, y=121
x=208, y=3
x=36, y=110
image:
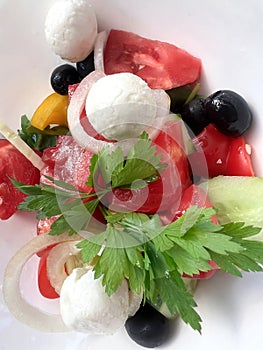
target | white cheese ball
x=71, y=29
x=85, y=307
x=121, y=106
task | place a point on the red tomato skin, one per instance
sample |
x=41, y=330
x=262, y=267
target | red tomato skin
x=13, y=164
x=239, y=160
x=44, y=285
x=160, y=64
x=224, y=155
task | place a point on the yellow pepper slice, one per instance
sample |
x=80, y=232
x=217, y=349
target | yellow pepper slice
x=53, y=110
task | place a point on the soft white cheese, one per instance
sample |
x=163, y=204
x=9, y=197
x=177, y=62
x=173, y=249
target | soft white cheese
x=71, y=29
x=85, y=307
x=121, y=106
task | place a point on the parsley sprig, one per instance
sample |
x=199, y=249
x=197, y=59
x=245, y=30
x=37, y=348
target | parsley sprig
x=151, y=256
x=117, y=170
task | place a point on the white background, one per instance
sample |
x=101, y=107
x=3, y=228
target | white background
x=227, y=36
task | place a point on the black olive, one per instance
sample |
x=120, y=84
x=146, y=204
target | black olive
x=148, y=327
x=229, y=112
x=86, y=66
x=194, y=115
x=62, y=77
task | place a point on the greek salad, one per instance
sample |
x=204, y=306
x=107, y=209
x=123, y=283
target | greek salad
x=141, y=184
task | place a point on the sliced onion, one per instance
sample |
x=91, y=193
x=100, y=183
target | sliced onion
x=56, y=261
x=99, y=50
x=163, y=102
x=22, y=147
x=18, y=306
x=75, y=108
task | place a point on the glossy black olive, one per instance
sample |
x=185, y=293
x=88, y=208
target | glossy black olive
x=229, y=112
x=62, y=77
x=148, y=327
x=194, y=115
x=86, y=66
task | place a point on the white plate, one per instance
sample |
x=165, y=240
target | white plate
x=228, y=37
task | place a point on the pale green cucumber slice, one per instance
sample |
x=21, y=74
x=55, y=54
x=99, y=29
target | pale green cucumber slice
x=238, y=199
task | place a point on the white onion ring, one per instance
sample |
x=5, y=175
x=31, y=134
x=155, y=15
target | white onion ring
x=21, y=146
x=17, y=305
x=56, y=260
x=75, y=108
x=163, y=103
x=99, y=46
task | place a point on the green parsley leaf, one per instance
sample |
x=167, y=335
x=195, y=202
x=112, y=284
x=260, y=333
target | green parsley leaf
x=167, y=284
x=40, y=139
x=124, y=261
x=238, y=230
x=92, y=168
x=74, y=218
x=65, y=201
x=141, y=163
x=163, y=253
x=186, y=263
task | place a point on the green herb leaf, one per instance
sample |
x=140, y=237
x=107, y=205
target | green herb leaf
x=40, y=139
x=141, y=163
x=65, y=201
x=92, y=169
x=167, y=284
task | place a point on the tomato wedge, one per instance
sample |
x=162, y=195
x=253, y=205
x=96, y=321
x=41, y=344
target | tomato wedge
x=15, y=165
x=224, y=155
x=160, y=64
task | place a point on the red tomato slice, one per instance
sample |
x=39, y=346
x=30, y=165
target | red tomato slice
x=239, y=160
x=13, y=164
x=44, y=285
x=159, y=195
x=161, y=65
x=69, y=162
x=224, y=155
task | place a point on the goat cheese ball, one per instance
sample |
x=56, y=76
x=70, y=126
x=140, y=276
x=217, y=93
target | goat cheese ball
x=121, y=106
x=71, y=29
x=85, y=307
